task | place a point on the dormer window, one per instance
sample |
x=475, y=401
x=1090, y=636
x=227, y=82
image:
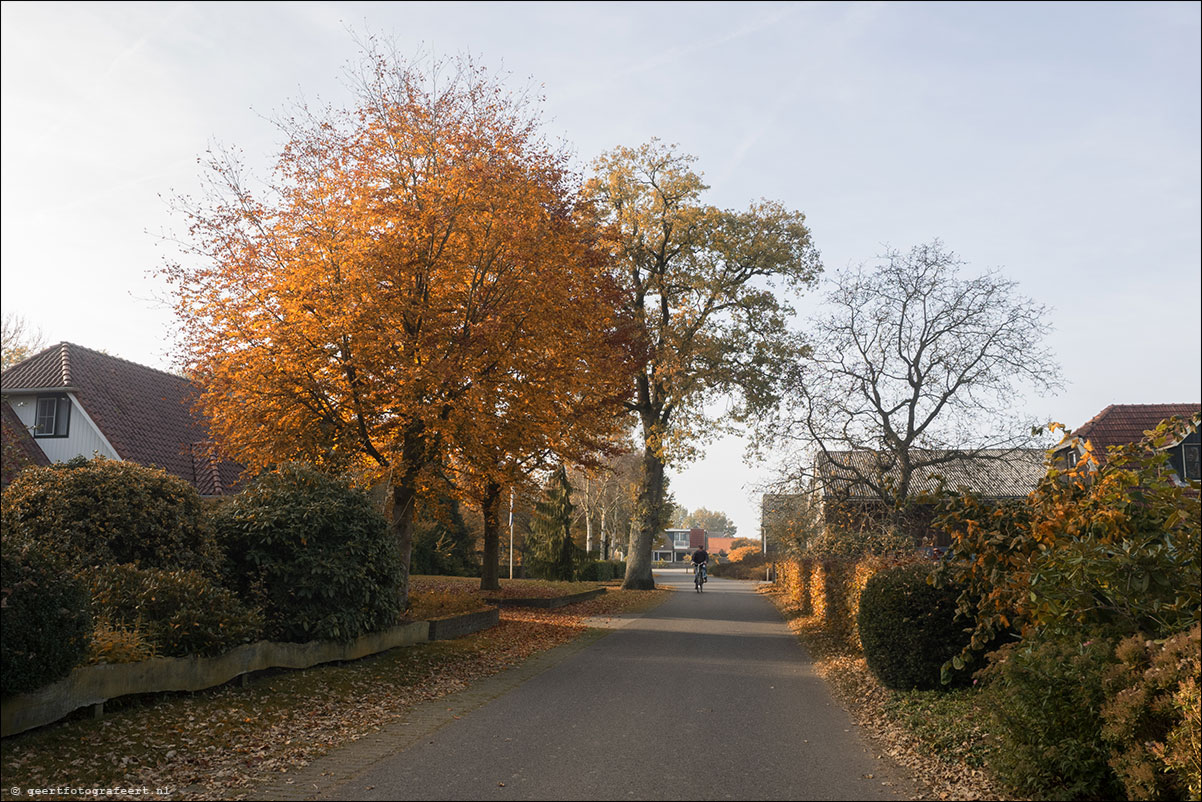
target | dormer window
x=1190, y=460
x=53, y=416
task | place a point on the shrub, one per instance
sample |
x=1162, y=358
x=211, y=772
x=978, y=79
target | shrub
x=745, y=552
x=177, y=613
x=313, y=553
x=112, y=643
x=105, y=512
x=1046, y=698
x=1115, y=549
x=1151, y=716
x=442, y=543
x=596, y=571
x=908, y=628
x=44, y=615
x=748, y=567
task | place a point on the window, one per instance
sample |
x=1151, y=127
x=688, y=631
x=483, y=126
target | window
x=1189, y=453
x=53, y=417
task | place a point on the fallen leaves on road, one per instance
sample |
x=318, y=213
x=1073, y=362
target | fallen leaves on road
x=225, y=742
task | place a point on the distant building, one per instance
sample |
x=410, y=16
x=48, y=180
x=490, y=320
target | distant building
x=678, y=545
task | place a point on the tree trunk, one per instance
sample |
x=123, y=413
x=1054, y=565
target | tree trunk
x=403, y=498
x=604, y=537
x=589, y=547
x=642, y=536
x=490, y=571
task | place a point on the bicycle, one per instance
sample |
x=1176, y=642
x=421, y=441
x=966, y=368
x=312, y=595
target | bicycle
x=699, y=576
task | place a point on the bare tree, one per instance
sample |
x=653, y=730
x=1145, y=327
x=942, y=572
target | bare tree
x=19, y=341
x=912, y=368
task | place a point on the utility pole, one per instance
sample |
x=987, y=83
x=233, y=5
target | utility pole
x=511, y=533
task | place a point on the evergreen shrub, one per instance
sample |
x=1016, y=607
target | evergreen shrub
x=313, y=554
x=176, y=613
x=44, y=616
x=908, y=628
x=107, y=512
x=1046, y=698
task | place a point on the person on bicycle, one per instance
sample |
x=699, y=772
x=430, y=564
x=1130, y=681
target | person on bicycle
x=700, y=558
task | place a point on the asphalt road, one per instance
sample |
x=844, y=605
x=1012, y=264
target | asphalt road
x=709, y=696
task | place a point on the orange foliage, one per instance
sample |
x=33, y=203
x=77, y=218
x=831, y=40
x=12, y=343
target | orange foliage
x=417, y=282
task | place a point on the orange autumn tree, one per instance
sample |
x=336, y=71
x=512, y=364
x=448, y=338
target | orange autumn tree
x=370, y=306
x=561, y=397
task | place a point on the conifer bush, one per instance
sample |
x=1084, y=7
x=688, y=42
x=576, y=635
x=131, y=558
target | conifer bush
x=313, y=554
x=908, y=628
x=1152, y=717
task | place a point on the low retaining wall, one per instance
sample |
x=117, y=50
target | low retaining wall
x=94, y=685
x=546, y=604
x=460, y=625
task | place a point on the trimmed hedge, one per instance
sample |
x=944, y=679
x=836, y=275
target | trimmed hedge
x=178, y=613
x=313, y=553
x=601, y=571
x=45, y=617
x=830, y=590
x=908, y=628
x=106, y=512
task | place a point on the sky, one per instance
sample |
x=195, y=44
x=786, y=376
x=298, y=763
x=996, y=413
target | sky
x=1057, y=143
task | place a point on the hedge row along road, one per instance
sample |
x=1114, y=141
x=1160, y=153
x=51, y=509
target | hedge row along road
x=708, y=696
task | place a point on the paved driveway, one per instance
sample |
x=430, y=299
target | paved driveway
x=709, y=696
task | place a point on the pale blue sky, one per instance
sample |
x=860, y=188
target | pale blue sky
x=1057, y=142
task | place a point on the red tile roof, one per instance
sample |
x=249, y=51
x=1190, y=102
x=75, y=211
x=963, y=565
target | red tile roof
x=719, y=544
x=20, y=450
x=146, y=414
x=1120, y=424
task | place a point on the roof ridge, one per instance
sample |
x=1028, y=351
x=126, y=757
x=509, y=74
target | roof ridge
x=93, y=351
x=65, y=363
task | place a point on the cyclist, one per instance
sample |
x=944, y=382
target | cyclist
x=700, y=558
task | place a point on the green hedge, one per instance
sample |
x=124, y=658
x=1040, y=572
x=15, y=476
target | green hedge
x=908, y=628
x=45, y=617
x=105, y=512
x=313, y=553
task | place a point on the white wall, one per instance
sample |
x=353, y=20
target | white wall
x=83, y=438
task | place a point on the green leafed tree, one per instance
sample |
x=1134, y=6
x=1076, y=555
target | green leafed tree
x=704, y=288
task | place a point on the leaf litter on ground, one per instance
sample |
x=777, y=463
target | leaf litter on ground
x=225, y=742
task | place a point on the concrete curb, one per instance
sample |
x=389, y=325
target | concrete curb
x=549, y=603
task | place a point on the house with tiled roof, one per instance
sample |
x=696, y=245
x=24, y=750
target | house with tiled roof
x=843, y=498
x=1122, y=424
x=73, y=401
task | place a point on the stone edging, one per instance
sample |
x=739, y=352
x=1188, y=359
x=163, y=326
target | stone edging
x=457, y=626
x=94, y=685
x=551, y=602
